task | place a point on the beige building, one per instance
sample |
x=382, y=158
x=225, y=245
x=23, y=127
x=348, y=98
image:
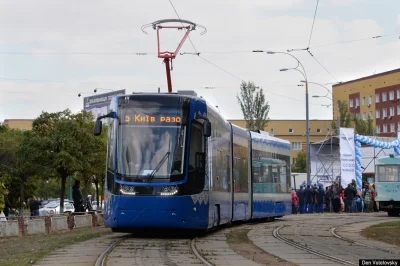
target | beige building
x=376, y=96
x=294, y=131
x=23, y=124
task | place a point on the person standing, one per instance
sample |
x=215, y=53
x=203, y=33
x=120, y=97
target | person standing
x=309, y=198
x=7, y=204
x=77, y=196
x=34, y=205
x=321, y=197
x=336, y=198
x=300, y=196
x=295, y=201
x=350, y=198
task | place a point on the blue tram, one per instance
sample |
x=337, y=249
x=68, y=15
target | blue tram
x=174, y=162
x=387, y=184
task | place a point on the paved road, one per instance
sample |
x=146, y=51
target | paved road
x=312, y=231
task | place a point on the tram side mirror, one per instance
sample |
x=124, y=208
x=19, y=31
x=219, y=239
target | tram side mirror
x=97, y=127
x=207, y=129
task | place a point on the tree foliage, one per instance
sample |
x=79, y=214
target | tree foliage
x=347, y=119
x=300, y=166
x=69, y=145
x=254, y=107
x=18, y=163
x=38, y=162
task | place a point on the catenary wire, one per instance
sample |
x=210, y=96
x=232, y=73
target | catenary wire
x=176, y=12
x=312, y=27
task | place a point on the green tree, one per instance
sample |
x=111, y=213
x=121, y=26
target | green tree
x=254, y=107
x=3, y=128
x=300, y=165
x=347, y=119
x=48, y=188
x=345, y=116
x=19, y=163
x=66, y=144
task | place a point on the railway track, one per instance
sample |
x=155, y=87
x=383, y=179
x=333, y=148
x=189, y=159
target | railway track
x=163, y=245
x=310, y=250
x=333, y=232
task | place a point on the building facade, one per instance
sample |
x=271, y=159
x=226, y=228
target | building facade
x=294, y=131
x=376, y=96
x=22, y=124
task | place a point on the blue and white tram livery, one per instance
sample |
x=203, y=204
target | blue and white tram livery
x=174, y=162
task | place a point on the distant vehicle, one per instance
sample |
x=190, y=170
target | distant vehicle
x=47, y=201
x=53, y=208
x=387, y=183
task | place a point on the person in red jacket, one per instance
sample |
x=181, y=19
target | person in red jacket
x=295, y=201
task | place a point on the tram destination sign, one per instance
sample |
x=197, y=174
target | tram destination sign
x=100, y=104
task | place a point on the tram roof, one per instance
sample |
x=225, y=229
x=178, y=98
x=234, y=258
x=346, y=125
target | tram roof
x=391, y=159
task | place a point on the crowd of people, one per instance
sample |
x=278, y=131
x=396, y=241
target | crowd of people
x=311, y=198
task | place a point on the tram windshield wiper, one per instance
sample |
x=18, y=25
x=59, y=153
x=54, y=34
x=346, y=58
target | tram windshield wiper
x=151, y=176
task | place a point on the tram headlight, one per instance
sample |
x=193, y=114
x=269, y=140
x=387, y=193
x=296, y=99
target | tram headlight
x=127, y=190
x=169, y=191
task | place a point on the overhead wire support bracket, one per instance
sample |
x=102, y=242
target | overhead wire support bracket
x=168, y=56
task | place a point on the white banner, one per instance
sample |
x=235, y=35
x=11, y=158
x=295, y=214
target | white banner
x=347, y=156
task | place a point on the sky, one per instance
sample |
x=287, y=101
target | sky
x=53, y=50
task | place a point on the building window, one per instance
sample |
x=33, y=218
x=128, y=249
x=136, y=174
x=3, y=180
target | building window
x=364, y=101
x=384, y=128
x=398, y=94
x=370, y=99
x=296, y=146
x=358, y=116
x=384, y=112
x=392, y=127
x=398, y=109
x=384, y=96
x=377, y=98
x=378, y=129
x=391, y=111
x=370, y=115
x=398, y=126
x=294, y=161
x=364, y=116
x=319, y=130
x=351, y=103
x=391, y=95
x=357, y=102
x=378, y=113
x=291, y=130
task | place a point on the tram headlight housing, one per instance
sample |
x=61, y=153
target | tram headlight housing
x=127, y=190
x=169, y=191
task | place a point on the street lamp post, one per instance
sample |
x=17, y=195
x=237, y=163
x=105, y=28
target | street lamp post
x=307, y=111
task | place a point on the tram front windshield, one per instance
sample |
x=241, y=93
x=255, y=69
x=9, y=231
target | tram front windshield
x=151, y=142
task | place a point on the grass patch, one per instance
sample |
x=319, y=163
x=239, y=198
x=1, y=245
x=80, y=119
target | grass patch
x=29, y=249
x=385, y=232
x=238, y=237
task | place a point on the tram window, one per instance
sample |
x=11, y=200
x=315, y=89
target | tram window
x=110, y=150
x=196, y=143
x=388, y=173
